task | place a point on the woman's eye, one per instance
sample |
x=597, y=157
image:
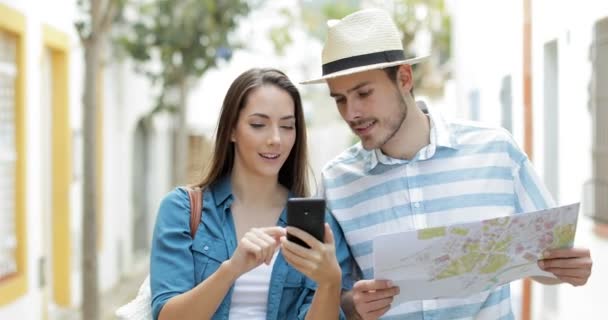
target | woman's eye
x=256, y=125
x=287, y=127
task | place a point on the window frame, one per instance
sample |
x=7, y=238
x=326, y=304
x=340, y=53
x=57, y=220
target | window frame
x=15, y=286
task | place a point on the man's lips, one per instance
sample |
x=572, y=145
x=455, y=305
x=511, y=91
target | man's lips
x=364, y=127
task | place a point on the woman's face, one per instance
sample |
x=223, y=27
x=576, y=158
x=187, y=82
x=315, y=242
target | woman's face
x=265, y=131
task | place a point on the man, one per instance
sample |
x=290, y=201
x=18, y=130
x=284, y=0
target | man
x=414, y=170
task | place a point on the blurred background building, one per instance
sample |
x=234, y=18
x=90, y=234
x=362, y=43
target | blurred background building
x=516, y=64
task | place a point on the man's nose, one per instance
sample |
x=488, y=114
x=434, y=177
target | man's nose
x=353, y=110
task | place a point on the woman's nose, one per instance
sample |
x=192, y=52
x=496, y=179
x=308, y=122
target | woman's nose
x=275, y=137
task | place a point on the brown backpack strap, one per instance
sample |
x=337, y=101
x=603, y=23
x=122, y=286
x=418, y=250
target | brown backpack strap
x=196, y=208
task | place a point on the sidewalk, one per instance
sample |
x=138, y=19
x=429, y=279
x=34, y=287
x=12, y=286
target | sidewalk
x=120, y=294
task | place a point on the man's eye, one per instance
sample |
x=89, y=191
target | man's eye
x=364, y=94
x=340, y=101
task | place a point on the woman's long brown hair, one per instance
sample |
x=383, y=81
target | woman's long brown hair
x=294, y=173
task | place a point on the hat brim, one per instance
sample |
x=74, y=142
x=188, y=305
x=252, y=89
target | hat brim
x=364, y=68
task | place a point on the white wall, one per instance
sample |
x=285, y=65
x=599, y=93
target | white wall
x=574, y=36
x=486, y=47
x=487, y=44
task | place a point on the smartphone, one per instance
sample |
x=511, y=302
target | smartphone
x=307, y=214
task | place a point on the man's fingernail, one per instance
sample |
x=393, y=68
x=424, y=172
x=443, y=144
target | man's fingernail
x=541, y=264
x=389, y=283
x=546, y=254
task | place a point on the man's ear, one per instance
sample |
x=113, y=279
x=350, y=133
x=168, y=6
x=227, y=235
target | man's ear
x=405, y=77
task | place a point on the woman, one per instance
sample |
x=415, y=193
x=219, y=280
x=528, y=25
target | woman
x=233, y=267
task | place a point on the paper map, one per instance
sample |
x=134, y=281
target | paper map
x=460, y=260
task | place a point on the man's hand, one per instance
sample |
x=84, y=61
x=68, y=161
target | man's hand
x=373, y=298
x=572, y=266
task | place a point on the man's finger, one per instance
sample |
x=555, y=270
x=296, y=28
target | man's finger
x=380, y=294
x=367, y=285
x=378, y=313
x=378, y=304
x=577, y=273
x=566, y=253
x=574, y=263
x=573, y=280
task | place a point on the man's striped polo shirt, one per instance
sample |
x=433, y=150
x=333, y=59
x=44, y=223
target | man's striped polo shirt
x=468, y=172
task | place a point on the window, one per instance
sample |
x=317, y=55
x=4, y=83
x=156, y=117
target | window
x=474, y=105
x=13, y=249
x=506, y=103
x=599, y=109
x=551, y=114
x=8, y=156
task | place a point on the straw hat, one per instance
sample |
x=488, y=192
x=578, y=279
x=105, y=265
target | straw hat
x=365, y=40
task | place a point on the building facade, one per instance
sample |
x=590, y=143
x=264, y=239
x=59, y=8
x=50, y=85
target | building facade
x=569, y=66
x=41, y=76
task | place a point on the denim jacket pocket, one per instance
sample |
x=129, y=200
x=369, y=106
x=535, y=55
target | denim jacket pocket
x=208, y=254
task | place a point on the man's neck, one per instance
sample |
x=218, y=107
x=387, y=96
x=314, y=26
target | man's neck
x=413, y=135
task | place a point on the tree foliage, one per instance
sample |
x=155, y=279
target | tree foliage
x=174, y=43
x=177, y=41
x=413, y=18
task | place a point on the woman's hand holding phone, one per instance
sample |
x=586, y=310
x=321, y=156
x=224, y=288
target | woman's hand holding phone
x=318, y=262
x=257, y=246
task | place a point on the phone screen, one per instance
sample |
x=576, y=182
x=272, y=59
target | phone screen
x=307, y=214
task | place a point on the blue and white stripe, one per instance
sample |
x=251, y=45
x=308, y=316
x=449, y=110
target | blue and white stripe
x=468, y=172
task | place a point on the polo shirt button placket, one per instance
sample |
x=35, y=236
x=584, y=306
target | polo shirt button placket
x=415, y=196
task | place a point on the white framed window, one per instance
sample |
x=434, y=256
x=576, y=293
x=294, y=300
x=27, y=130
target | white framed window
x=8, y=155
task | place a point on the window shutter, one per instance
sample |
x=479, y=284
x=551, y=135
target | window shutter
x=8, y=156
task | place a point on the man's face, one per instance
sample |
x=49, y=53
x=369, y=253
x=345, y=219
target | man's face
x=371, y=104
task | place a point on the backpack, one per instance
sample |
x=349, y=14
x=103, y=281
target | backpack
x=140, y=308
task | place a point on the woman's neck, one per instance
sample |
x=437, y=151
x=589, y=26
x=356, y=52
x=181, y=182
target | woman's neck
x=256, y=191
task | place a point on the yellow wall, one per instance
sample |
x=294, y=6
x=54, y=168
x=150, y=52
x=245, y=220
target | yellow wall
x=61, y=137
x=15, y=286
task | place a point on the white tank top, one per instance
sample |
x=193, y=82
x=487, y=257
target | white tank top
x=250, y=294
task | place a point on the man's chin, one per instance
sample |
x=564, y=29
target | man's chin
x=369, y=144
